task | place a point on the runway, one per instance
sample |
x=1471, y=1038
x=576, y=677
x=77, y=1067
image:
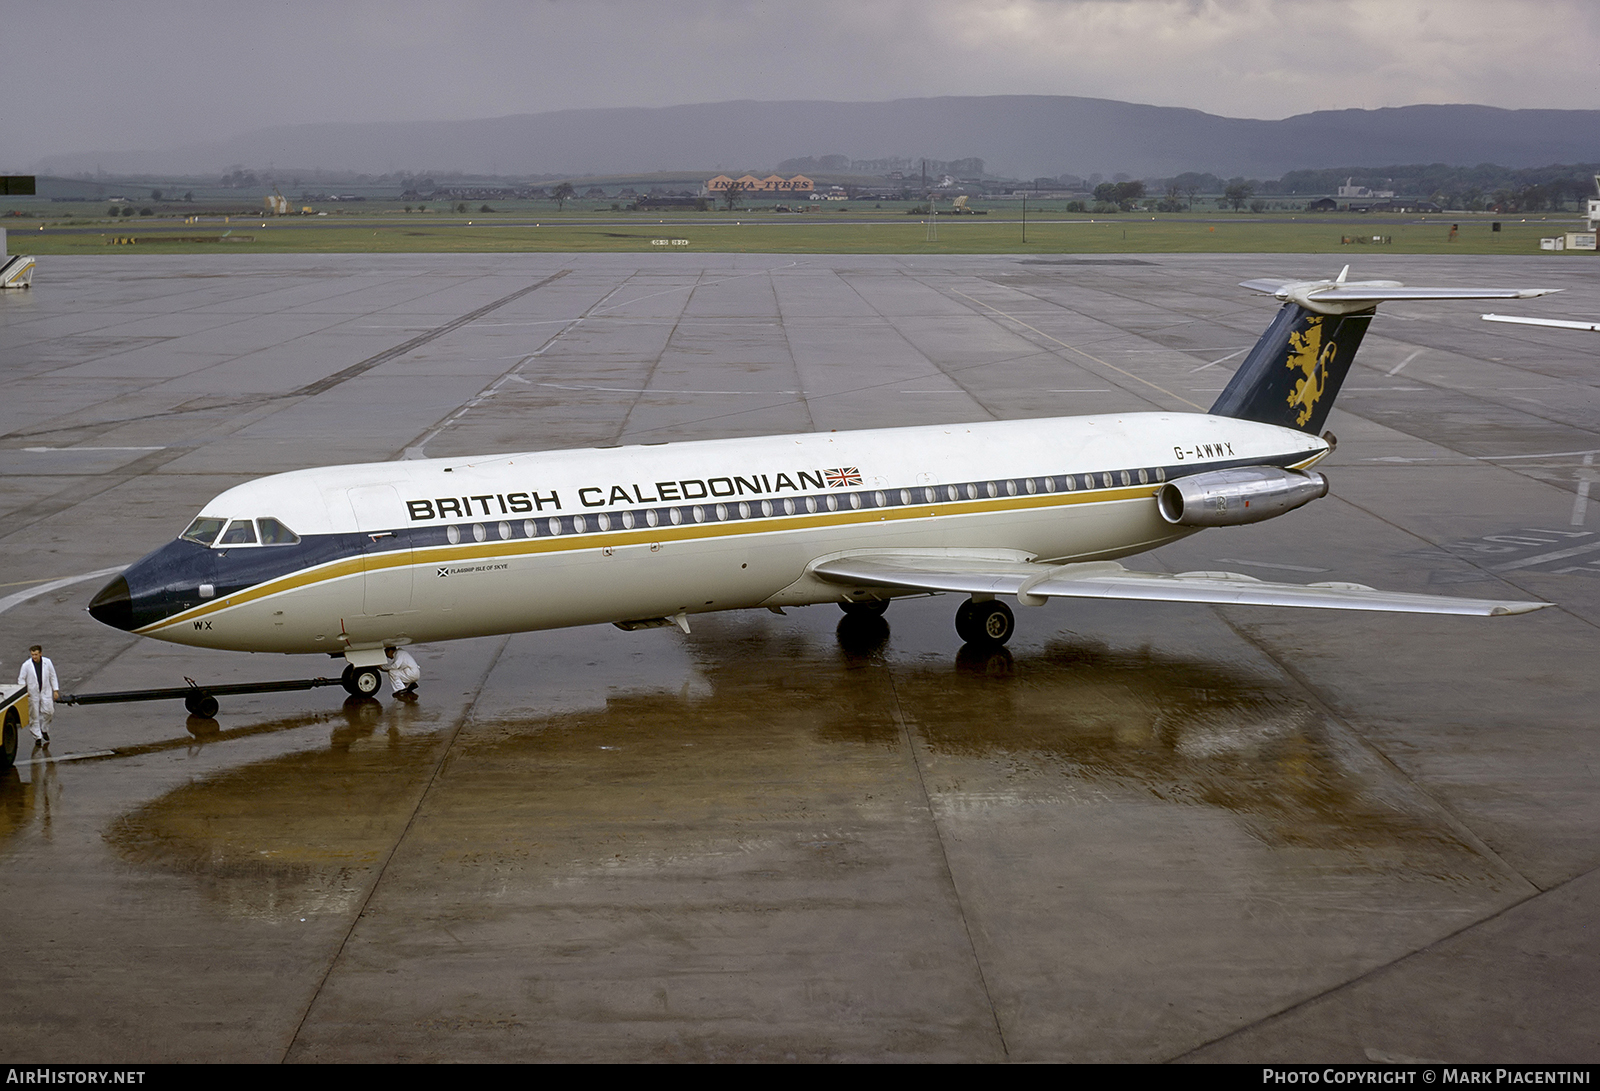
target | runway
x=1146, y=832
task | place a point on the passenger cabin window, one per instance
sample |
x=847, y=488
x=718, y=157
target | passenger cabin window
x=275, y=533
x=239, y=532
x=204, y=530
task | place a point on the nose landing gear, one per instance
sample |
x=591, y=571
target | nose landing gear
x=362, y=681
x=985, y=623
x=201, y=704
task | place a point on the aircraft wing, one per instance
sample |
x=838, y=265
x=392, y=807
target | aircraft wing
x=1555, y=323
x=1032, y=583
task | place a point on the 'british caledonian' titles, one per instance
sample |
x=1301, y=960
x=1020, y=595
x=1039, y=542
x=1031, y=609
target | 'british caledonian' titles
x=632, y=494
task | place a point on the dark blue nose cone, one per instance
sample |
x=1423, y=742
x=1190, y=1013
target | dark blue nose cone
x=113, y=606
x=157, y=586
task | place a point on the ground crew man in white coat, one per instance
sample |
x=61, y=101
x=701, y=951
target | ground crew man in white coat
x=404, y=674
x=39, y=675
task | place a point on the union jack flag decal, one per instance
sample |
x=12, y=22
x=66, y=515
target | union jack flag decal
x=842, y=477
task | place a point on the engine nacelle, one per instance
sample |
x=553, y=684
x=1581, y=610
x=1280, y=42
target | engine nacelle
x=1231, y=498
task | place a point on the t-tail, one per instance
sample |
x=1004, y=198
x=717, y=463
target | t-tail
x=1293, y=374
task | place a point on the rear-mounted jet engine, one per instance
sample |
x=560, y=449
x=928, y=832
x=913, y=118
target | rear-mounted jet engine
x=1231, y=498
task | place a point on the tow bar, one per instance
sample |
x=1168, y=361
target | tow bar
x=199, y=700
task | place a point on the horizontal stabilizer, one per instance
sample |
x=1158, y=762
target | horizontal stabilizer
x=1341, y=296
x=1032, y=583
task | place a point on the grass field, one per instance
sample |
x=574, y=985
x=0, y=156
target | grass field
x=864, y=231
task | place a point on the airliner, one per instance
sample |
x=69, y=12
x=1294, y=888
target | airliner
x=347, y=560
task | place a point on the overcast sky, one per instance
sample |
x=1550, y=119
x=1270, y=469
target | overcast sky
x=85, y=76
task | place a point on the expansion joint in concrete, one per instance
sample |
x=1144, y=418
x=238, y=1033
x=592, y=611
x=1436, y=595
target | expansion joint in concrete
x=388, y=857
x=1345, y=986
x=944, y=855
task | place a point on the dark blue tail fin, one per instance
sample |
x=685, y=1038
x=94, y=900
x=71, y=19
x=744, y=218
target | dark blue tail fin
x=1295, y=371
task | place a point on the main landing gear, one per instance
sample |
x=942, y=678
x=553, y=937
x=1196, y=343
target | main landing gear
x=865, y=607
x=987, y=623
x=362, y=681
x=863, y=632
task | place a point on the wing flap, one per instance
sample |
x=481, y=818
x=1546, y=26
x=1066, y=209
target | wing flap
x=1033, y=582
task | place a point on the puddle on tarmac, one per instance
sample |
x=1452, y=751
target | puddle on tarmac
x=291, y=835
x=1187, y=731
x=777, y=736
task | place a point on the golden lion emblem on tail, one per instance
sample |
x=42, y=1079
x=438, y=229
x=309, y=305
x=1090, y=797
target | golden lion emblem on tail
x=1308, y=354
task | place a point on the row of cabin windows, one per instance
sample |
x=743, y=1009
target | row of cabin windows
x=809, y=505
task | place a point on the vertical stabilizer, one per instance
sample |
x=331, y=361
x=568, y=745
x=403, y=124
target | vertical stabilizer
x=1295, y=371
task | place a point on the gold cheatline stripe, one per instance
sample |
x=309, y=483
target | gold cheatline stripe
x=575, y=542
x=572, y=543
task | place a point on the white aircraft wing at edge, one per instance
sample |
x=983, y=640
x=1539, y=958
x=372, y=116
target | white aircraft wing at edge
x=1005, y=573
x=1557, y=323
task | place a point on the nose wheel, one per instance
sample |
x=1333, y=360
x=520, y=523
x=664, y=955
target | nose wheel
x=362, y=681
x=202, y=705
x=990, y=623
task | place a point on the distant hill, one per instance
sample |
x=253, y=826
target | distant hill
x=1021, y=136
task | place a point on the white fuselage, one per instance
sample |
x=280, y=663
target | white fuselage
x=418, y=551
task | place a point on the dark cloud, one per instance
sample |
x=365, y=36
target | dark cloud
x=169, y=72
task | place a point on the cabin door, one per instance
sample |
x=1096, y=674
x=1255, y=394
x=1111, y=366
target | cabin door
x=385, y=550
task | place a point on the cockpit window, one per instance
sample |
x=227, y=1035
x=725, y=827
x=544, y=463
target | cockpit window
x=204, y=530
x=239, y=532
x=275, y=533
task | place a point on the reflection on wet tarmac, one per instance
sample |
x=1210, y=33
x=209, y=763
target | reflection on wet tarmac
x=774, y=728
x=1183, y=730
x=281, y=838
x=24, y=802
x=861, y=636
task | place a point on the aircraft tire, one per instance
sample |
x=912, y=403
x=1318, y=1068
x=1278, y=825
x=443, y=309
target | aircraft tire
x=362, y=681
x=965, y=628
x=985, y=623
x=8, y=739
x=866, y=607
x=202, y=705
